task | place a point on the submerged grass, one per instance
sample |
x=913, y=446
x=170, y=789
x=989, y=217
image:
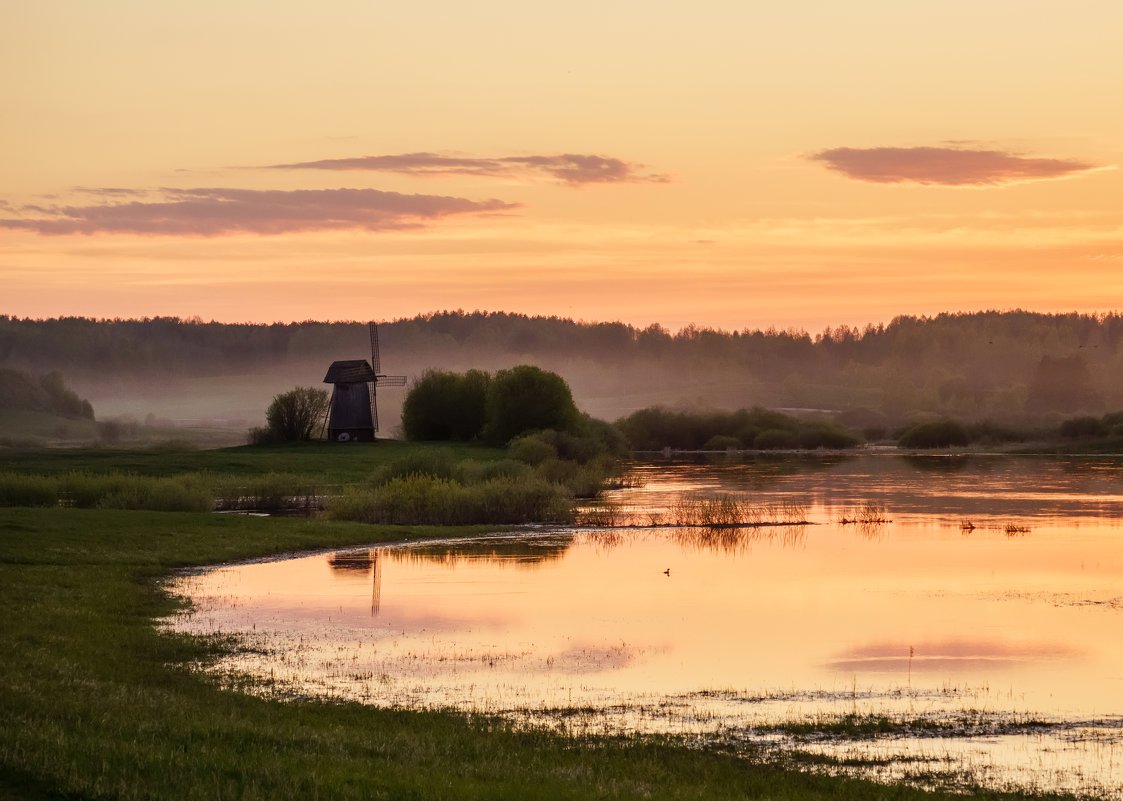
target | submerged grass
x=968, y=723
x=100, y=705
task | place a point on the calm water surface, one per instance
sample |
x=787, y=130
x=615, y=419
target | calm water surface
x=994, y=653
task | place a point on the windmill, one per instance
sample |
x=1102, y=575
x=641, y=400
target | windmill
x=353, y=411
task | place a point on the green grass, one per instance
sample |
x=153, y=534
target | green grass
x=98, y=704
x=331, y=462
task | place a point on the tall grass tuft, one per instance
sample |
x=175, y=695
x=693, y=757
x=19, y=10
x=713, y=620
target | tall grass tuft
x=273, y=493
x=24, y=490
x=432, y=500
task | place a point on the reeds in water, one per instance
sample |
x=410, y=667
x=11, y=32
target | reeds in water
x=731, y=511
x=870, y=513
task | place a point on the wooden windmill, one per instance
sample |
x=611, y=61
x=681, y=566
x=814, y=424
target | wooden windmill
x=353, y=411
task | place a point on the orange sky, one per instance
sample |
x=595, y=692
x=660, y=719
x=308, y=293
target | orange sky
x=734, y=165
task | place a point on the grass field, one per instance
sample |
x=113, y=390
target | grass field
x=328, y=461
x=99, y=704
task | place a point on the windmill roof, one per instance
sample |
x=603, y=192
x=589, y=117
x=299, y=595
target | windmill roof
x=353, y=371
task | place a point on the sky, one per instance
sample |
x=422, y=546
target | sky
x=735, y=165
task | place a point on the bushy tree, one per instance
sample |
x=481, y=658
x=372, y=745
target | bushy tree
x=453, y=406
x=444, y=405
x=527, y=398
x=294, y=415
x=65, y=401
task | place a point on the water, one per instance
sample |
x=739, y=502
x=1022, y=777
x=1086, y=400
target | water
x=968, y=632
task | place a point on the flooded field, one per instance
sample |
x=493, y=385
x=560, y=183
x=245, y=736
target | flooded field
x=933, y=619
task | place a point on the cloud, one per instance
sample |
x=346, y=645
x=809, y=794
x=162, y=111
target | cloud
x=569, y=168
x=218, y=212
x=945, y=166
x=110, y=191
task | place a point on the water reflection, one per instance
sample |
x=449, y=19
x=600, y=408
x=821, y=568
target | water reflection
x=507, y=551
x=954, y=463
x=353, y=561
x=883, y=630
x=739, y=541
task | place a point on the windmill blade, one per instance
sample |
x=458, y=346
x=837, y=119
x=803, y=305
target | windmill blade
x=390, y=381
x=373, y=406
x=374, y=360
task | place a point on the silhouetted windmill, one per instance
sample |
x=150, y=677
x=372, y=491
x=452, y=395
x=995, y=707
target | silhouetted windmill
x=353, y=411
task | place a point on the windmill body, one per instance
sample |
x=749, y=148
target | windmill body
x=350, y=417
x=353, y=411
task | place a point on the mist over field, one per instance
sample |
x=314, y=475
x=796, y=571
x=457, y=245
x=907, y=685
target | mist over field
x=1013, y=366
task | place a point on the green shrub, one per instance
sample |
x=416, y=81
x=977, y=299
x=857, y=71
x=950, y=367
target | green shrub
x=938, y=434
x=774, y=439
x=657, y=428
x=532, y=449
x=1112, y=419
x=435, y=462
x=989, y=432
x=294, y=415
x=822, y=434
x=1083, y=428
x=474, y=471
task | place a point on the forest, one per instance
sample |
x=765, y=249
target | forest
x=1014, y=366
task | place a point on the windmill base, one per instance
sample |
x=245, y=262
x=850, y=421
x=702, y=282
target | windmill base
x=351, y=435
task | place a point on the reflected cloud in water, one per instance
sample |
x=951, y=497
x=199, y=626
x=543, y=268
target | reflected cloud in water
x=948, y=656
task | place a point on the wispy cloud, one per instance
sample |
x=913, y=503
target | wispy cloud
x=945, y=166
x=218, y=212
x=569, y=168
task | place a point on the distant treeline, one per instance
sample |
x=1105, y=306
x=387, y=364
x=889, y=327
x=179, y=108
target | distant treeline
x=972, y=365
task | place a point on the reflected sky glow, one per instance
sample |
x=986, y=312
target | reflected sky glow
x=671, y=629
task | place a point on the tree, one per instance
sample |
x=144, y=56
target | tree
x=444, y=405
x=293, y=415
x=1063, y=384
x=527, y=398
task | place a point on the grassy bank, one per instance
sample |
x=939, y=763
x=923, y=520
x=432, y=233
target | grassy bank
x=98, y=705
